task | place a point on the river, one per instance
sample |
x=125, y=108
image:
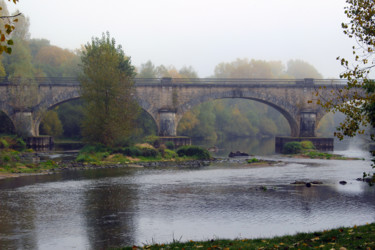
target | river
x=96, y=209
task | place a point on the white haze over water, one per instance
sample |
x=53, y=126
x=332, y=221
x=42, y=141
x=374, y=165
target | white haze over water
x=200, y=33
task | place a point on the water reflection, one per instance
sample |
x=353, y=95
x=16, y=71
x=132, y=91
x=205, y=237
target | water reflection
x=110, y=207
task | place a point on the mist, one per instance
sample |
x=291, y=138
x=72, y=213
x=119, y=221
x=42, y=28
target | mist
x=200, y=33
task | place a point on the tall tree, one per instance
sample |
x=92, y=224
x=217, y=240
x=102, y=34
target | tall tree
x=357, y=100
x=107, y=91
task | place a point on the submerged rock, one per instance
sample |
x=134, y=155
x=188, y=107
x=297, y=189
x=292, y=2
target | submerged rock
x=238, y=153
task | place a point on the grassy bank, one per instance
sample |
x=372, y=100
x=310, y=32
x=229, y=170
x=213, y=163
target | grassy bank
x=357, y=237
x=15, y=158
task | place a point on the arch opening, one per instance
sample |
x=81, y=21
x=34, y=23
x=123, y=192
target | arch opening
x=233, y=117
x=62, y=120
x=69, y=114
x=6, y=124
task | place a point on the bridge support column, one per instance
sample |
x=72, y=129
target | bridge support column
x=167, y=123
x=307, y=124
x=24, y=124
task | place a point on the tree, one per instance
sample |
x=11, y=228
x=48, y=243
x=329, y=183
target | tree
x=51, y=124
x=107, y=91
x=7, y=26
x=147, y=70
x=300, y=69
x=357, y=99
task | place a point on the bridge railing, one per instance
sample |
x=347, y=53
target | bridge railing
x=40, y=80
x=231, y=81
x=182, y=81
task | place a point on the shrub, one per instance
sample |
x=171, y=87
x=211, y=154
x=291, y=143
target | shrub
x=253, y=160
x=20, y=143
x=153, y=140
x=4, y=143
x=149, y=152
x=129, y=151
x=93, y=149
x=293, y=147
x=307, y=145
x=194, y=151
x=170, y=154
x=169, y=145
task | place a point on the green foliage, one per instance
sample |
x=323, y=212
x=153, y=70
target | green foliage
x=307, y=145
x=169, y=154
x=129, y=151
x=3, y=143
x=51, y=124
x=356, y=237
x=194, y=151
x=293, y=147
x=252, y=160
x=149, y=152
x=109, y=107
x=153, y=140
x=170, y=145
x=70, y=115
x=97, y=148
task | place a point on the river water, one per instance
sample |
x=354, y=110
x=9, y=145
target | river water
x=96, y=209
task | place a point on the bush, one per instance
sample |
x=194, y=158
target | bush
x=153, y=140
x=169, y=145
x=169, y=154
x=4, y=143
x=93, y=149
x=149, y=152
x=293, y=147
x=129, y=151
x=194, y=151
x=307, y=145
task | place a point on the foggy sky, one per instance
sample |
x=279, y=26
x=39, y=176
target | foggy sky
x=200, y=33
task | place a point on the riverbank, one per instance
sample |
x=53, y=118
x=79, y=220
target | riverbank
x=357, y=237
x=51, y=167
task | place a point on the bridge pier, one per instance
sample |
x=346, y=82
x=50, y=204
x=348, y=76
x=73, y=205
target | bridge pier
x=167, y=123
x=307, y=124
x=24, y=124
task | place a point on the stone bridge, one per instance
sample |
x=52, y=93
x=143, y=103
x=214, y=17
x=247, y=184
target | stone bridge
x=167, y=99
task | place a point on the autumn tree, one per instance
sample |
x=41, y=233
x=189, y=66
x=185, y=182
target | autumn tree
x=7, y=26
x=357, y=99
x=107, y=91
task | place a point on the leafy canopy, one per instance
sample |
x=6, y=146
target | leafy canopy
x=107, y=90
x=7, y=26
x=357, y=99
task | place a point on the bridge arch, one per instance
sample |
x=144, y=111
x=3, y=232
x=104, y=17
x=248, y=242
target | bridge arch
x=275, y=103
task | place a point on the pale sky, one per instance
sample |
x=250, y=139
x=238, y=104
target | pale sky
x=199, y=33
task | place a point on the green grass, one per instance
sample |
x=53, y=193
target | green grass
x=361, y=237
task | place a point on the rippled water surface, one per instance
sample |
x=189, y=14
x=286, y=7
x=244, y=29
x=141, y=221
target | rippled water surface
x=102, y=208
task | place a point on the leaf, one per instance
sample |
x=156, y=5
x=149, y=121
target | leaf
x=10, y=42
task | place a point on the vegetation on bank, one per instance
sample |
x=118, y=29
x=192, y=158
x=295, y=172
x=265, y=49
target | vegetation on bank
x=357, y=237
x=140, y=153
x=15, y=158
x=306, y=149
